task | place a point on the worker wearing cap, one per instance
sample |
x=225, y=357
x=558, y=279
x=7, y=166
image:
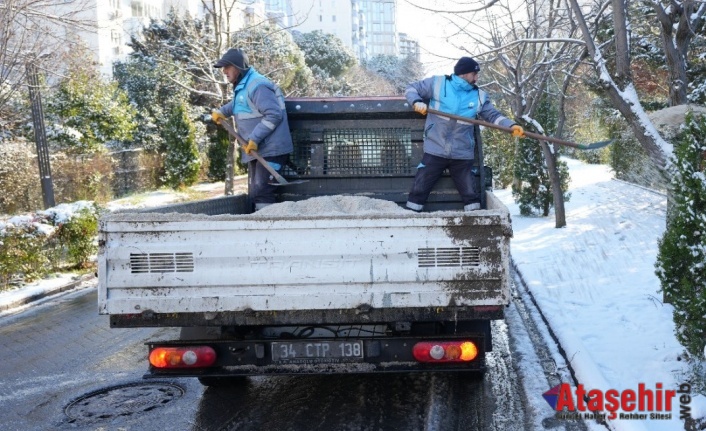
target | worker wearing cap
x=450, y=144
x=261, y=119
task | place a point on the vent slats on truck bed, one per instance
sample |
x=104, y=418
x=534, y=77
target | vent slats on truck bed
x=448, y=257
x=144, y=263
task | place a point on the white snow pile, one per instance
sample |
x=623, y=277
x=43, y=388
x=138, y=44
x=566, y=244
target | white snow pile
x=45, y=222
x=65, y=212
x=331, y=205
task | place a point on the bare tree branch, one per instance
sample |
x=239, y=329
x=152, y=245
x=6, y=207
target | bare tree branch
x=482, y=6
x=29, y=29
x=624, y=98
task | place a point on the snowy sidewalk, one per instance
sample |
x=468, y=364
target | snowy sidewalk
x=595, y=283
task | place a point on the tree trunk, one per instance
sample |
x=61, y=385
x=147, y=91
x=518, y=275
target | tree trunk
x=623, y=74
x=558, y=194
x=674, y=50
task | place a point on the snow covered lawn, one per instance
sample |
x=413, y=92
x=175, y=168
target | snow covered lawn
x=594, y=281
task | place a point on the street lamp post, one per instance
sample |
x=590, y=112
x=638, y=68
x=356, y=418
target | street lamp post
x=40, y=135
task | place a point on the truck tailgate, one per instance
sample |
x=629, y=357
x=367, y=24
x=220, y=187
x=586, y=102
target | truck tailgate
x=184, y=263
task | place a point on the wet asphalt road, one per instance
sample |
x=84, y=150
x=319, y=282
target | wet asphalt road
x=63, y=368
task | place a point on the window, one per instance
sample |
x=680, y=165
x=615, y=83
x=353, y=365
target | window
x=321, y=18
x=388, y=12
x=137, y=9
x=333, y=18
x=116, y=40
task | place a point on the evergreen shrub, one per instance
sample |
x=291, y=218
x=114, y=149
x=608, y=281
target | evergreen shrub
x=22, y=253
x=681, y=261
x=58, y=238
x=78, y=237
x=218, y=156
x=181, y=161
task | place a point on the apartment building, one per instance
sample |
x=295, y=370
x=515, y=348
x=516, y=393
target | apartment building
x=115, y=21
x=409, y=47
x=367, y=27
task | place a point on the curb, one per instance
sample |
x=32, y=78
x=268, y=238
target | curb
x=46, y=293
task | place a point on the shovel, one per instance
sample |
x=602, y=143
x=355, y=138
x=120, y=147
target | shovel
x=537, y=136
x=242, y=142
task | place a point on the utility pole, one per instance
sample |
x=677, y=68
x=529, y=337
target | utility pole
x=40, y=135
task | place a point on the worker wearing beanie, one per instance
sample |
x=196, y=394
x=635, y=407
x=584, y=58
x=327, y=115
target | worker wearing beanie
x=450, y=144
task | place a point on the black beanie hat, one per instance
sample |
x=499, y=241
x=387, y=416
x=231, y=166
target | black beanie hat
x=466, y=65
x=235, y=57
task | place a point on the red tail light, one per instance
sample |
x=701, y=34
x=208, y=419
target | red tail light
x=182, y=357
x=445, y=351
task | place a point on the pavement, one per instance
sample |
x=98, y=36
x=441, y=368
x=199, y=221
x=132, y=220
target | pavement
x=17, y=298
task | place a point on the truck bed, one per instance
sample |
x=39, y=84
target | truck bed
x=187, y=269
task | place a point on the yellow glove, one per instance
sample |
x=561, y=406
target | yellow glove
x=217, y=116
x=420, y=107
x=252, y=146
x=517, y=131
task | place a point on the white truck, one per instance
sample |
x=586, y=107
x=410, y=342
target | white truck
x=319, y=293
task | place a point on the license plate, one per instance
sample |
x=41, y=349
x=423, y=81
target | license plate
x=317, y=351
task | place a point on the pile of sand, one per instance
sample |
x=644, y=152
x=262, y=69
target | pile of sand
x=331, y=205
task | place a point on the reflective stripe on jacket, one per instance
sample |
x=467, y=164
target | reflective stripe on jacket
x=448, y=138
x=260, y=115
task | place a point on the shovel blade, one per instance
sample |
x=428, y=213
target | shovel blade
x=289, y=183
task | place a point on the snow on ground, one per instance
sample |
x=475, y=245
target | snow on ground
x=164, y=197
x=594, y=281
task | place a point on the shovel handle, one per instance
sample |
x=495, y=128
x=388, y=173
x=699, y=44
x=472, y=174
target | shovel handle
x=536, y=136
x=243, y=143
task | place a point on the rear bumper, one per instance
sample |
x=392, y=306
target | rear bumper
x=380, y=355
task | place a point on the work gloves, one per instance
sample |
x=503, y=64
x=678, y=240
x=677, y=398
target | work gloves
x=252, y=146
x=517, y=131
x=420, y=107
x=217, y=116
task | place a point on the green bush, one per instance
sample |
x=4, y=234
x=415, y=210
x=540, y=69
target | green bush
x=680, y=264
x=78, y=237
x=22, y=253
x=532, y=188
x=499, y=154
x=60, y=237
x=181, y=161
x=218, y=156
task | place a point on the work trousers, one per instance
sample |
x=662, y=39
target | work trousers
x=261, y=188
x=428, y=173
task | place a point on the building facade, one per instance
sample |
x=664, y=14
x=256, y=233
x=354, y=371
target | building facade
x=116, y=21
x=367, y=27
x=409, y=47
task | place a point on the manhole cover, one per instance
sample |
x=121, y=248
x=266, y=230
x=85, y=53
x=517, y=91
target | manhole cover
x=122, y=400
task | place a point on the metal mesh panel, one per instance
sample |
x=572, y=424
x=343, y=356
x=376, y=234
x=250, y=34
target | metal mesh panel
x=351, y=152
x=300, y=159
x=367, y=152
